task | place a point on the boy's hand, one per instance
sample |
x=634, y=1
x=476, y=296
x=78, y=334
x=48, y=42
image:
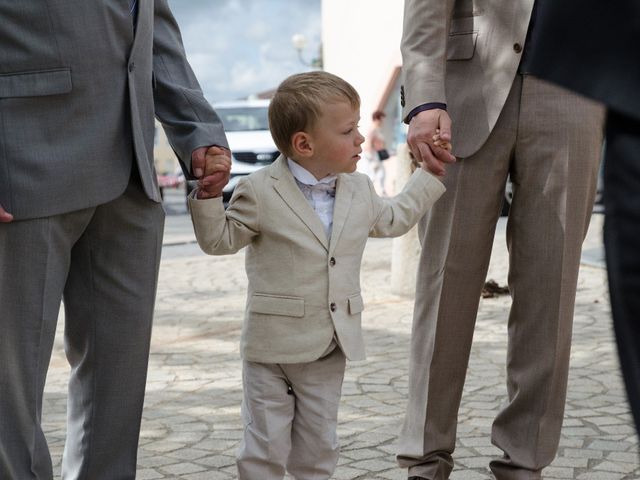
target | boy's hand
x=214, y=166
x=440, y=142
x=429, y=138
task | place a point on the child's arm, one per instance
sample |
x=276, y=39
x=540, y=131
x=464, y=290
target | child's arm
x=395, y=216
x=221, y=232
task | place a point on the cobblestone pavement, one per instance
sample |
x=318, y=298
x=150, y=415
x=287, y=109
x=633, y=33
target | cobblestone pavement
x=192, y=426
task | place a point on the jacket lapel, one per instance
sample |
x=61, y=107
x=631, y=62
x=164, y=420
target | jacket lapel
x=141, y=25
x=287, y=188
x=341, y=208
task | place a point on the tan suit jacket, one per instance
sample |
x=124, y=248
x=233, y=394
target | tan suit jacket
x=304, y=287
x=468, y=61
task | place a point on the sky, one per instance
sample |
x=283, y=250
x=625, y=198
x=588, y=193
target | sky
x=242, y=47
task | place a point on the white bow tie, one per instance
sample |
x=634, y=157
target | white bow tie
x=328, y=188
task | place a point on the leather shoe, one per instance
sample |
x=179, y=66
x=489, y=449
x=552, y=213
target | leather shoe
x=416, y=478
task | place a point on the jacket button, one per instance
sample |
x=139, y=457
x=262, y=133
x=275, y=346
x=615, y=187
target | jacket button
x=333, y=307
x=132, y=66
x=332, y=261
x=517, y=47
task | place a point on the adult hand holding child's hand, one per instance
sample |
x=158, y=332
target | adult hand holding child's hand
x=214, y=166
x=429, y=138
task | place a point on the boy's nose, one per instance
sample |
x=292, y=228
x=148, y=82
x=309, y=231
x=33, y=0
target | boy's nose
x=360, y=139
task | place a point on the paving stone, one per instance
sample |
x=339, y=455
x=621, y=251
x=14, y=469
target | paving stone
x=209, y=475
x=148, y=474
x=599, y=476
x=468, y=475
x=183, y=468
x=192, y=424
x=558, y=472
x=618, y=467
x=374, y=465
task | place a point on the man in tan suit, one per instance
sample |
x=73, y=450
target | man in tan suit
x=305, y=220
x=464, y=74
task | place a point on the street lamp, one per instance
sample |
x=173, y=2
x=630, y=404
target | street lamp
x=299, y=42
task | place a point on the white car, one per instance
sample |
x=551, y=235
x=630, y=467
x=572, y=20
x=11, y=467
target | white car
x=246, y=125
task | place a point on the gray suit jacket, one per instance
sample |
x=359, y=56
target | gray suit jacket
x=303, y=286
x=464, y=53
x=78, y=93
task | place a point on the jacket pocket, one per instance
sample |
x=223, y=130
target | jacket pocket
x=35, y=83
x=356, y=304
x=277, y=305
x=461, y=46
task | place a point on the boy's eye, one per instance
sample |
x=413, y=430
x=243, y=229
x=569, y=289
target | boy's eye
x=348, y=131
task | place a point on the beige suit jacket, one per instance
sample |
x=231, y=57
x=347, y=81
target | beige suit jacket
x=465, y=55
x=304, y=287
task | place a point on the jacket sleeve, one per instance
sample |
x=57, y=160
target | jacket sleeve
x=424, y=45
x=397, y=215
x=188, y=119
x=221, y=232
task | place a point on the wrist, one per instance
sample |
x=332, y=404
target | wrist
x=425, y=107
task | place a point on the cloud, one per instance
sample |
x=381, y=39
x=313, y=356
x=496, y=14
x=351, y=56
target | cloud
x=240, y=47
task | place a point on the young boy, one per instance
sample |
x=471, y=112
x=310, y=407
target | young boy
x=305, y=220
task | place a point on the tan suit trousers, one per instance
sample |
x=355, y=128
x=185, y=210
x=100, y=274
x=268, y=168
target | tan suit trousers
x=549, y=141
x=290, y=413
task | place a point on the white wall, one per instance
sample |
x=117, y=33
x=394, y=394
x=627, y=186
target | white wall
x=361, y=43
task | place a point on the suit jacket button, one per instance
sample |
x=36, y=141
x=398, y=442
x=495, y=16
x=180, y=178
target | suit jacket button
x=132, y=66
x=517, y=47
x=332, y=261
x=333, y=307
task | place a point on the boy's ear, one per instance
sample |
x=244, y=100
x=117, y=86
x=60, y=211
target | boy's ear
x=301, y=143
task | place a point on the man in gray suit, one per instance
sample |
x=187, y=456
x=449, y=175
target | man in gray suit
x=464, y=74
x=81, y=216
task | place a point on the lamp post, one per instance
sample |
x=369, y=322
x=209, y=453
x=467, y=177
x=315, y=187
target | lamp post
x=299, y=42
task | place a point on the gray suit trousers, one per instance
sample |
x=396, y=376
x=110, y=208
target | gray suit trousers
x=549, y=141
x=104, y=261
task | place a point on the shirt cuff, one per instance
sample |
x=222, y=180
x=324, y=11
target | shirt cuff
x=422, y=108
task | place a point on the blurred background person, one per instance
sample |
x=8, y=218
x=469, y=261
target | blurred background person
x=592, y=47
x=375, y=152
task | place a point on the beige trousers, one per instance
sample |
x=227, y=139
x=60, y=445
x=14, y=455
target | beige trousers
x=290, y=413
x=549, y=141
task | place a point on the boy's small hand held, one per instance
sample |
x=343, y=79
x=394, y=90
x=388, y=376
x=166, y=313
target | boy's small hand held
x=216, y=171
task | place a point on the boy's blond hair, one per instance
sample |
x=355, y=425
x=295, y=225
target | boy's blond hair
x=298, y=103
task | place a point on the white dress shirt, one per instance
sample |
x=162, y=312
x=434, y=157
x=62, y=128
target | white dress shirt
x=319, y=193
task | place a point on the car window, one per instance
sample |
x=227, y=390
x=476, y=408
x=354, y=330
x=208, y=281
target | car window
x=242, y=119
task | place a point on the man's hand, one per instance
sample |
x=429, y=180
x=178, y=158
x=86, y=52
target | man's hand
x=429, y=139
x=212, y=166
x=5, y=217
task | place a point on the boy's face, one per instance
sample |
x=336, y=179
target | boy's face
x=336, y=139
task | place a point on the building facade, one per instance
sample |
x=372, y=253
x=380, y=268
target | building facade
x=361, y=43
